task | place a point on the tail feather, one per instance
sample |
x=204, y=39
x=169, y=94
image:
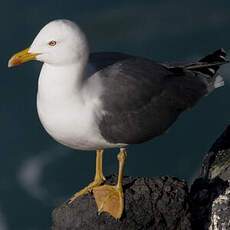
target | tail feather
x=218, y=56
x=210, y=64
x=218, y=82
x=206, y=68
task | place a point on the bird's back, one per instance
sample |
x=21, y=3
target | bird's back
x=141, y=98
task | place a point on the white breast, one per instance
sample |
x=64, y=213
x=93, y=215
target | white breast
x=69, y=114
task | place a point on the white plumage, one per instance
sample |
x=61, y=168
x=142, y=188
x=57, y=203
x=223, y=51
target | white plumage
x=69, y=106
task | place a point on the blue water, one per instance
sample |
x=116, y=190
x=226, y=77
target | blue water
x=36, y=173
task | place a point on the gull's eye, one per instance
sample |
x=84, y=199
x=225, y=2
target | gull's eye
x=52, y=43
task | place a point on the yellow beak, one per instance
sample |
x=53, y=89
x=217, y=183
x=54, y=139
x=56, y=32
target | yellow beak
x=21, y=57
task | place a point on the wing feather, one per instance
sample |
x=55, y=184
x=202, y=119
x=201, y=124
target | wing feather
x=141, y=98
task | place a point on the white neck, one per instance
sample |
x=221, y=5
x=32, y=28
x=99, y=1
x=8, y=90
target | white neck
x=57, y=82
x=69, y=106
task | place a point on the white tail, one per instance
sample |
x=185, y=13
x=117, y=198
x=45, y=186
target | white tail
x=219, y=81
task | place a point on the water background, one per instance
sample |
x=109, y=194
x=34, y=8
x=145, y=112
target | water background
x=36, y=173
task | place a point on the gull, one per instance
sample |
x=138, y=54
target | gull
x=95, y=101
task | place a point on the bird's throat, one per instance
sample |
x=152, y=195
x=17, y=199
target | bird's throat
x=60, y=82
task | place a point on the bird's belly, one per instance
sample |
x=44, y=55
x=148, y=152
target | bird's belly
x=67, y=133
x=74, y=128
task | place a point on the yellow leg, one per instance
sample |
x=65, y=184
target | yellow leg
x=111, y=198
x=98, y=179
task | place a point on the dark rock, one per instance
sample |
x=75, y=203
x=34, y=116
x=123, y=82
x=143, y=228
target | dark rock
x=220, y=215
x=210, y=195
x=217, y=162
x=162, y=203
x=203, y=194
x=150, y=203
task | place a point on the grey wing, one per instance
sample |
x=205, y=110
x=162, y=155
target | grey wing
x=141, y=99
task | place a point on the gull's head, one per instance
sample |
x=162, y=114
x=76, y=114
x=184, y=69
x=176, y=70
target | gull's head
x=60, y=42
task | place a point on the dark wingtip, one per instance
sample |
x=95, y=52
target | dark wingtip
x=217, y=56
x=210, y=64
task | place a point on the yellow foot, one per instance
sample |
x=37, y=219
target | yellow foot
x=109, y=199
x=87, y=189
